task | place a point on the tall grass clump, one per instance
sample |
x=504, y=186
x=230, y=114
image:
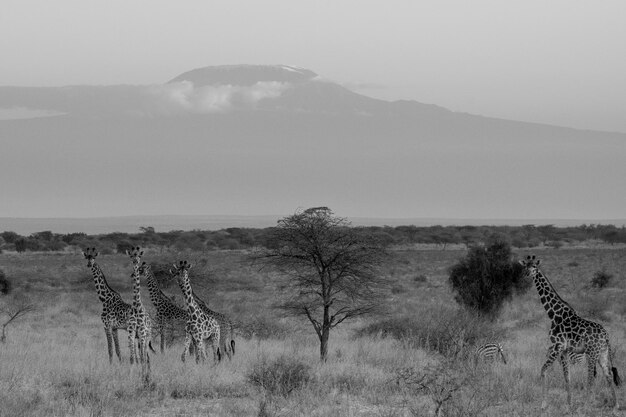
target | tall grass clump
x=447, y=331
x=280, y=376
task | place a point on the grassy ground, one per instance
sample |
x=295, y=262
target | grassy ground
x=55, y=362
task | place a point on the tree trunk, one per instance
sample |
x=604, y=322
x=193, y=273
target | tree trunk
x=324, y=344
x=325, y=334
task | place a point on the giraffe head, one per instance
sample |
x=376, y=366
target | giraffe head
x=531, y=265
x=90, y=254
x=181, y=269
x=135, y=254
x=144, y=268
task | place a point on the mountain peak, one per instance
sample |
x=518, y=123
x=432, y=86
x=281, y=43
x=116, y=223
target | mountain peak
x=245, y=75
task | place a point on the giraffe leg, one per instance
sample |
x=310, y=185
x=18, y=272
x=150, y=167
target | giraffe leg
x=226, y=338
x=142, y=348
x=186, y=348
x=116, y=341
x=592, y=359
x=147, y=368
x=132, y=346
x=554, y=352
x=214, y=348
x=145, y=359
x=565, y=364
x=139, y=356
x=605, y=363
x=162, y=330
x=109, y=334
x=200, y=351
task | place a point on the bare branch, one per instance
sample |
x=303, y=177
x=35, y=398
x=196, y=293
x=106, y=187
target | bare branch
x=14, y=313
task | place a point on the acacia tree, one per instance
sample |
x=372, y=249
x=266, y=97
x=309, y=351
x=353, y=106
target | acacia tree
x=331, y=269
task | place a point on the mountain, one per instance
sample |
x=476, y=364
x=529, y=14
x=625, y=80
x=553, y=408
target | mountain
x=247, y=139
x=245, y=75
x=209, y=90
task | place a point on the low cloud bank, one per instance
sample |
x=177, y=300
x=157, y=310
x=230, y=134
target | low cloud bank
x=183, y=96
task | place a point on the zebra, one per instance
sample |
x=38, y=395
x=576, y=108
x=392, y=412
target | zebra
x=491, y=351
x=577, y=358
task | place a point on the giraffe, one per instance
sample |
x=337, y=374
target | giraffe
x=139, y=322
x=227, y=327
x=570, y=333
x=200, y=327
x=166, y=310
x=115, y=312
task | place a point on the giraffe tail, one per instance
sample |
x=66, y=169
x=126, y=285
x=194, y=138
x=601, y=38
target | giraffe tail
x=150, y=346
x=232, y=346
x=616, y=378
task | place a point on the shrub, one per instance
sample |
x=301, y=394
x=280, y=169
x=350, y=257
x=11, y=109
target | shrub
x=20, y=245
x=264, y=328
x=280, y=376
x=601, y=279
x=5, y=284
x=487, y=277
x=556, y=244
x=123, y=246
x=420, y=279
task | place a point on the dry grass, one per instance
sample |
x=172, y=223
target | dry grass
x=55, y=363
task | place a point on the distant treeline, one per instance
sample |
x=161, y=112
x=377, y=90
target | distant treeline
x=245, y=238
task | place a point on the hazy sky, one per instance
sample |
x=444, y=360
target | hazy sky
x=558, y=62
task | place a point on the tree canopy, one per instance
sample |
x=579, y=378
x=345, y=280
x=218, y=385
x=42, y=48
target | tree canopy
x=331, y=269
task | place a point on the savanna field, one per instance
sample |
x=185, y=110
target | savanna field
x=415, y=360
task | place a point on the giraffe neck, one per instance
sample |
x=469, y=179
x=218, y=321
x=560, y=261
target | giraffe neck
x=185, y=287
x=153, y=288
x=102, y=287
x=550, y=299
x=136, y=294
x=199, y=301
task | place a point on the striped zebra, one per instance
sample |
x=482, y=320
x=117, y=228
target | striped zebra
x=578, y=358
x=491, y=351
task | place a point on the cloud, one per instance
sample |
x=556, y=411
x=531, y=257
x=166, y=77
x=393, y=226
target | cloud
x=16, y=113
x=185, y=97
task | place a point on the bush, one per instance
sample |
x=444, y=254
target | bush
x=280, y=376
x=5, y=284
x=420, y=279
x=123, y=246
x=487, y=277
x=601, y=279
x=264, y=328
